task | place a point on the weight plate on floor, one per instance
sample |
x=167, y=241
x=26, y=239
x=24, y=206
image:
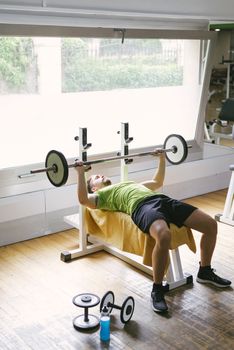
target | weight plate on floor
x=107, y=299
x=127, y=310
x=79, y=322
x=86, y=300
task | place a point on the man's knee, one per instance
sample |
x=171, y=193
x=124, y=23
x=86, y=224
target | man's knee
x=161, y=233
x=211, y=225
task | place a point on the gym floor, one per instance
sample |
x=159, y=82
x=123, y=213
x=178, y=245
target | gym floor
x=36, y=291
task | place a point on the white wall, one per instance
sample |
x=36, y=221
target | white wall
x=48, y=53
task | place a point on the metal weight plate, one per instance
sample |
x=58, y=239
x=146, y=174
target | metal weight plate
x=80, y=324
x=106, y=299
x=181, y=149
x=60, y=175
x=86, y=300
x=127, y=310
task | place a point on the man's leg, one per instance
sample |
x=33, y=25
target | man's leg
x=205, y=224
x=160, y=232
x=162, y=236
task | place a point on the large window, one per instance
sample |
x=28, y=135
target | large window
x=49, y=87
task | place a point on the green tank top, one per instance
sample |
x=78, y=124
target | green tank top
x=124, y=196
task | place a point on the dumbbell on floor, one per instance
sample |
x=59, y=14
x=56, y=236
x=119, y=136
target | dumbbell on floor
x=126, y=310
x=86, y=321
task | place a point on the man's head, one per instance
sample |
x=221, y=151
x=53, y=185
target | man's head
x=96, y=182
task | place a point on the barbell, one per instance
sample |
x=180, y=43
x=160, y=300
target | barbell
x=56, y=166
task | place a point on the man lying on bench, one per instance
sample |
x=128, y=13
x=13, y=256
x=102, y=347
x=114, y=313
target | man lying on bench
x=153, y=212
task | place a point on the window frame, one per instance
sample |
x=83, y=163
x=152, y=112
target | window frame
x=9, y=176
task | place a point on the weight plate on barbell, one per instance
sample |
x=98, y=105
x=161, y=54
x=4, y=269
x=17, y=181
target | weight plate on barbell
x=127, y=310
x=181, y=149
x=59, y=176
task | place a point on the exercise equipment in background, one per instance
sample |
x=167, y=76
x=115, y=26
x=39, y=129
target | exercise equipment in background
x=223, y=127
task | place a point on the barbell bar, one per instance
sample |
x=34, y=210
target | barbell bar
x=56, y=166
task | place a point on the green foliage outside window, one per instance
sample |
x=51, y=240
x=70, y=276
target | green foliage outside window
x=89, y=65
x=16, y=60
x=109, y=68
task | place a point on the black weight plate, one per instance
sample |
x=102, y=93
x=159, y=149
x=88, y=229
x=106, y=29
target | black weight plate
x=181, y=152
x=106, y=299
x=60, y=175
x=127, y=310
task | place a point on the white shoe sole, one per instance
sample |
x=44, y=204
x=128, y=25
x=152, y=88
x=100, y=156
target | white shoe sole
x=199, y=280
x=158, y=310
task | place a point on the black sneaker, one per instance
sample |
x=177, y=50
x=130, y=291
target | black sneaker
x=157, y=300
x=208, y=276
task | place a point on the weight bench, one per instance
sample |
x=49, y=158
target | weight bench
x=225, y=121
x=116, y=233
x=228, y=213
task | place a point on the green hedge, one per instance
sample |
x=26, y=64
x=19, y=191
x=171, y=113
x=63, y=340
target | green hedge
x=16, y=58
x=123, y=69
x=90, y=75
x=18, y=71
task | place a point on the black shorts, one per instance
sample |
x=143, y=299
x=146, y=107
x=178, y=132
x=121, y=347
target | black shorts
x=161, y=207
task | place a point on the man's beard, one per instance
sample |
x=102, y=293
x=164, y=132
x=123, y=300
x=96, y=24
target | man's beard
x=107, y=182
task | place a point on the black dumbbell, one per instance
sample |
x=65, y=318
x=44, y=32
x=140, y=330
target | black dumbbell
x=126, y=310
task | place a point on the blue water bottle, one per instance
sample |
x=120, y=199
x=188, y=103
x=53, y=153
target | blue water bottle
x=105, y=324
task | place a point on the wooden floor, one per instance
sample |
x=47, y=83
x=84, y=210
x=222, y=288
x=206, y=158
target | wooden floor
x=36, y=291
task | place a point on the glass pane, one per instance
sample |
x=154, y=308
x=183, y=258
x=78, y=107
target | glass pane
x=51, y=86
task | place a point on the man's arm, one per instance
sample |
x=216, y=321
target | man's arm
x=88, y=200
x=159, y=175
